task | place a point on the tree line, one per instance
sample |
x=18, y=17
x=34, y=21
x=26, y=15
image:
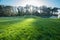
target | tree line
x=28, y=10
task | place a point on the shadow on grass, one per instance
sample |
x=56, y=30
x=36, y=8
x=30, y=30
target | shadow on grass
x=48, y=29
x=32, y=29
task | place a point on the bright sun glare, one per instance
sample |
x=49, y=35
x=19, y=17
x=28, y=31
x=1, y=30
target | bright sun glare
x=32, y=2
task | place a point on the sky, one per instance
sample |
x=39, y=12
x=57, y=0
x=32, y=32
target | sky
x=49, y=3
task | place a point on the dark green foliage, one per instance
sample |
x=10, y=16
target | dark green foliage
x=21, y=11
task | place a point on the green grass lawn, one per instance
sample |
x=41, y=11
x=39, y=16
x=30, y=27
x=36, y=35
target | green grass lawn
x=29, y=28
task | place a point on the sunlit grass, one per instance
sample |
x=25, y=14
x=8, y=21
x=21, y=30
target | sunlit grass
x=29, y=28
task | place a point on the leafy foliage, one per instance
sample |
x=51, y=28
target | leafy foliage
x=21, y=11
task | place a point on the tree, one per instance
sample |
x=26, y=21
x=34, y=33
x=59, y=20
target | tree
x=45, y=11
x=7, y=10
x=49, y=11
x=54, y=10
x=1, y=10
x=10, y=11
x=20, y=11
x=27, y=9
